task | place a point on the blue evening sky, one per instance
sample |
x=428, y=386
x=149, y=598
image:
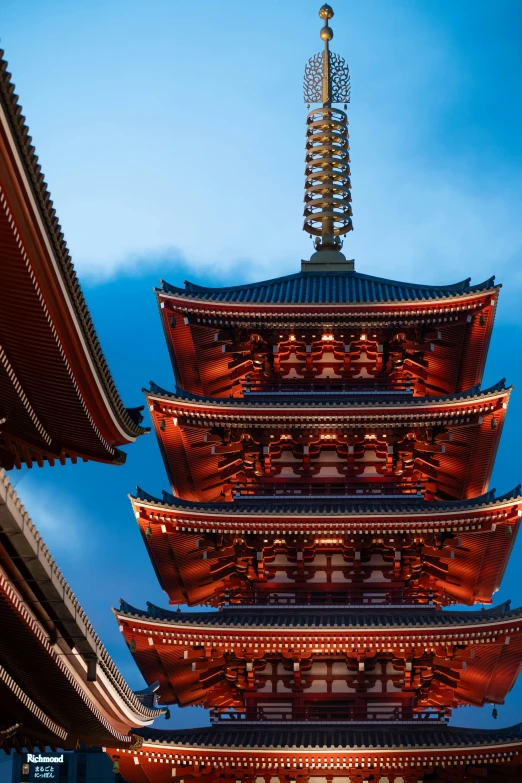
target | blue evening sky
x=172, y=137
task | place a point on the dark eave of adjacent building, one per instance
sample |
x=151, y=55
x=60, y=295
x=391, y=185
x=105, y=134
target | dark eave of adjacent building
x=58, y=636
x=30, y=552
x=127, y=419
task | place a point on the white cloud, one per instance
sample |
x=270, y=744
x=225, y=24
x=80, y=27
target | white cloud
x=226, y=200
x=412, y=222
x=432, y=226
x=205, y=172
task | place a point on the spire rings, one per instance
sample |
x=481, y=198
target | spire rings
x=328, y=153
x=319, y=168
x=328, y=210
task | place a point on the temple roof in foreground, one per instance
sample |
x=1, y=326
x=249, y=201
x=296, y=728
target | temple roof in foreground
x=58, y=683
x=343, y=737
x=59, y=399
x=291, y=506
x=311, y=617
x=327, y=288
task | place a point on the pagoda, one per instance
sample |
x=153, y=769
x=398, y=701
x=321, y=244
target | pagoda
x=329, y=449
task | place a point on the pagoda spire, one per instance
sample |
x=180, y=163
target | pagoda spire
x=328, y=211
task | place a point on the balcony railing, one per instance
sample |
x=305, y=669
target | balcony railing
x=298, y=386
x=355, y=488
x=295, y=598
x=334, y=713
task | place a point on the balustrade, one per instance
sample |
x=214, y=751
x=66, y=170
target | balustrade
x=354, y=597
x=275, y=487
x=329, y=713
x=354, y=386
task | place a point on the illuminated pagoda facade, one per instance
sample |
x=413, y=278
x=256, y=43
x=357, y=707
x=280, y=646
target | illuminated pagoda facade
x=329, y=449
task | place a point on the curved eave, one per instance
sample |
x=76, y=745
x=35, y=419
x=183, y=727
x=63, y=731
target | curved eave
x=292, y=509
x=322, y=750
x=318, y=290
x=191, y=327
x=332, y=738
x=182, y=420
x=331, y=622
x=185, y=566
x=240, y=406
x=31, y=189
x=162, y=648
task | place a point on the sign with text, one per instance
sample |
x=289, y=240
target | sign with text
x=43, y=766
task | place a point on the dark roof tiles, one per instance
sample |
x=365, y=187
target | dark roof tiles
x=325, y=618
x=290, y=506
x=333, y=736
x=326, y=288
x=308, y=401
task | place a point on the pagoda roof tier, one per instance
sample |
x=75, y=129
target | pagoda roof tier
x=208, y=657
x=328, y=621
x=437, y=337
x=303, y=754
x=203, y=552
x=58, y=684
x=214, y=754
x=447, y=443
x=345, y=400
x=58, y=399
x=327, y=288
x=405, y=510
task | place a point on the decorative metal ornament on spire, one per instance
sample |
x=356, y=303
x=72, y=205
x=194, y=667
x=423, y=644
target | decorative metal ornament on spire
x=328, y=210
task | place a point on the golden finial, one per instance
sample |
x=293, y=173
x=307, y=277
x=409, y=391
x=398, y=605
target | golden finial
x=326, y=13
x=328, y=211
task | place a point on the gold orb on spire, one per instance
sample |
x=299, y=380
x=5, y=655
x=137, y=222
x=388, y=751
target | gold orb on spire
x=326, y=33
x=326, y=11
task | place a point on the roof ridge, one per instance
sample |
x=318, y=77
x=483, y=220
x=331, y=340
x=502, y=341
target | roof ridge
x=461, y=285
